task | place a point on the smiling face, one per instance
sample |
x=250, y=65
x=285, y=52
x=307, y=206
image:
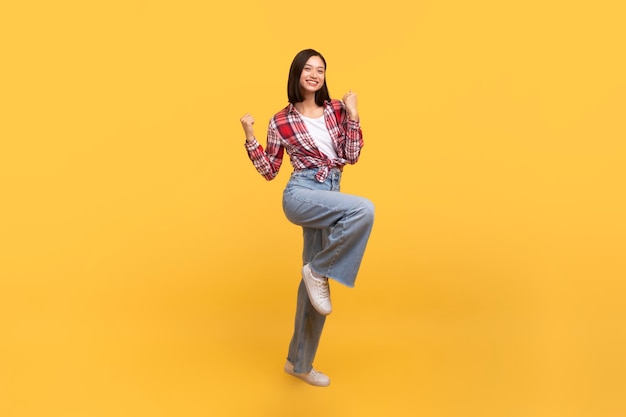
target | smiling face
x=307, y=77
x=312, y=76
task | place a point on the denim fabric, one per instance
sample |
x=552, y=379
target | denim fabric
x=306, y=334
x=343, y=220
x=336, y=228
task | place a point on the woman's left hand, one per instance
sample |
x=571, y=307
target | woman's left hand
x=350, y=101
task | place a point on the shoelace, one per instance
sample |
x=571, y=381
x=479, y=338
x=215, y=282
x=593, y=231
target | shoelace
x=316, y=374
x=322, y=284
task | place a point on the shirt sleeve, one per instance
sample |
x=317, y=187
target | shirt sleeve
x=354, y=138
x=267, y=162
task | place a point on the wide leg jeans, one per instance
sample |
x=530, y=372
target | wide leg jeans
x=336, y=228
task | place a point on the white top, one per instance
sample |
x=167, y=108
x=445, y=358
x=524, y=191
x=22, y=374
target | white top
x=318, y=130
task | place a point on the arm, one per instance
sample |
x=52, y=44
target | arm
x=352, y=126
x=267, y=162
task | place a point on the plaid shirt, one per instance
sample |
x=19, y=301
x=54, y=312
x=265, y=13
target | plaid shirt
x=286, y=131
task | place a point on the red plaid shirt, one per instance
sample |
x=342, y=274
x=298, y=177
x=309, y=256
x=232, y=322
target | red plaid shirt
x=286, y=131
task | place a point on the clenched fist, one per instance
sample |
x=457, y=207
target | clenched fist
x=246, y=122
x=349, y=99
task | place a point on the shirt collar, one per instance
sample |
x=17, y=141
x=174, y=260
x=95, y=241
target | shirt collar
x=292, y=109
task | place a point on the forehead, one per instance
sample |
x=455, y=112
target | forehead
x=315, y=61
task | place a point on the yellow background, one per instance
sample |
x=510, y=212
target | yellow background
x=146, y=269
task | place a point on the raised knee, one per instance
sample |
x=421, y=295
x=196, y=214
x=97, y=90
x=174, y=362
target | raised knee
x=367, y=208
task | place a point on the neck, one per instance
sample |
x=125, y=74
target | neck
x=309, y=108
x=307, y=105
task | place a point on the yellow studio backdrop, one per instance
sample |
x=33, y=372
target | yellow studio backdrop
x=146, y=269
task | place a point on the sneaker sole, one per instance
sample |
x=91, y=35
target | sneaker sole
x=302, y=377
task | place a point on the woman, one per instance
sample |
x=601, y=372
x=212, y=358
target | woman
x=320, y=135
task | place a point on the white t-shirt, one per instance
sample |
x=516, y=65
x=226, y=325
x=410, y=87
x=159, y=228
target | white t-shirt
x=318, y=130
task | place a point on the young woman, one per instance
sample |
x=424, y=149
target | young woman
x=320, y=135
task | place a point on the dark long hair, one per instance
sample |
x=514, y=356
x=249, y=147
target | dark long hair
x=293, y=84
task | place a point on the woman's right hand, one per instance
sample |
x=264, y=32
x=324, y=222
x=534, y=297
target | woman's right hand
x=246, y=122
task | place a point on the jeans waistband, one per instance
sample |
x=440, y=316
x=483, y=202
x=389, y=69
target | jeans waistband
x=320, y=173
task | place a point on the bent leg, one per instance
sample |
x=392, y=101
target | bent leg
x=347, y=220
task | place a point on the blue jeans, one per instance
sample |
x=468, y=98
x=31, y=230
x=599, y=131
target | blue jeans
x=336, y=228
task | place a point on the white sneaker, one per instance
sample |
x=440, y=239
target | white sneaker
x=313, y=377
x=318, y=290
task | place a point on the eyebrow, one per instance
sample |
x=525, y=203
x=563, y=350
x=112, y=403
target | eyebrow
x=311, y=66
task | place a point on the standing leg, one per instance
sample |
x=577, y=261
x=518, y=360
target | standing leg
x=309, y=323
